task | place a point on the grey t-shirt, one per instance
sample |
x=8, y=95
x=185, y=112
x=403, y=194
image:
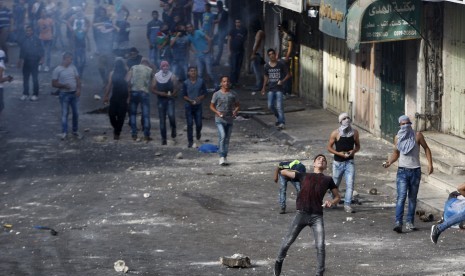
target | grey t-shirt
x=66, y=75
x=225, y=103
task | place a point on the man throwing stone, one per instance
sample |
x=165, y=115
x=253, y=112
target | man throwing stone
x=407, y=149
x=309, y=210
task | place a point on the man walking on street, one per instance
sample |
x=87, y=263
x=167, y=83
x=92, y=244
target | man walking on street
x=346, y=141
x=225, y=105
x=276, y=74
x=31, y=54
x=236, y=40
x=139, y=79
x=407, y=149
x=65, y=77
x=193, y=92
x=309, y=210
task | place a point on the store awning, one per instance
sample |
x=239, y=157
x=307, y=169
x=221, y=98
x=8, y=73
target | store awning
x=382, y=20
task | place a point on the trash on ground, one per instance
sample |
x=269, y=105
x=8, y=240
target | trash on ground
x=146, y=195
x=52, y=231
x=179, y=155
x=373, y=191
x=236, y=260
x=208, y=148
x=120, y=266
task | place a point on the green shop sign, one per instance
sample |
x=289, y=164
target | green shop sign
x=383, y=20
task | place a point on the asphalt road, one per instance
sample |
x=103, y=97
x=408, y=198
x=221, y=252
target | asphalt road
x=91, y=192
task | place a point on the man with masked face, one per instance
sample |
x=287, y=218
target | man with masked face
x=407, y=149
x=344, y=143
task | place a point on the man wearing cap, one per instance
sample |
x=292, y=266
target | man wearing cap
x=407, y=149
x=294, y=166
x=309, y=206
x=344, y=143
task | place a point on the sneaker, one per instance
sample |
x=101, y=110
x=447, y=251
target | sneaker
x=348, y=209
x=410, y=227
x=398, y=228
x=63, y=136
x=46, y=69
x=163, y=143
x=280, y=126
x=116, y=137
x=222, y=162
x=147, y=139
x=198, y=136
x=189, y=145
x=34, y=98
x=278, y=265
x=24, y=97
x=283, y=210
x=77, y=135
x=134, y=137
x=435, y=234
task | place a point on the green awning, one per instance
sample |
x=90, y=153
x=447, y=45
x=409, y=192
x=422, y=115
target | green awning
x=382, y=20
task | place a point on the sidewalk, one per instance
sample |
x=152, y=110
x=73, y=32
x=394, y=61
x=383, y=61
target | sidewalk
x=308, y=128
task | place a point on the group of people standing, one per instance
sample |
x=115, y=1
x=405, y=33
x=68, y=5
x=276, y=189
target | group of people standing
x=344, y=143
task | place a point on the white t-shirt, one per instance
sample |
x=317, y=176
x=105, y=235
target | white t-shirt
x=66, y=75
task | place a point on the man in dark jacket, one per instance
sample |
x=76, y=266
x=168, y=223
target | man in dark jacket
x=31, y=54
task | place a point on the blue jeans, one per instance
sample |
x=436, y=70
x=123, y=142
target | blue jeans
x=275, y=104
x=80, y=59
x=283, y=188
x=179, y=68
x=347, y=169
x=236, y=64
x=408, y=183
x=457, y=218
x=67, y=100
x=47, y=45
x=301, y=220
x=224, y=134
x=142, y=98
x=166, y=107
x=258, y=71
x=153, y=55
x=193, y=114
x=204, y=61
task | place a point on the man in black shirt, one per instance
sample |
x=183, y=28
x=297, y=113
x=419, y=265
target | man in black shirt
x=309, y=210
x=344, y=142
x=236, y=40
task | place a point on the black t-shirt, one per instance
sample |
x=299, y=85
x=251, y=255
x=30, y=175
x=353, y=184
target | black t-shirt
x=276, y=73
x=344, y=144
x=313, y=189
x=238, y=38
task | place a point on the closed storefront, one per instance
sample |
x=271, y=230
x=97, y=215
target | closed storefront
x=336, y=79
x=454, y=68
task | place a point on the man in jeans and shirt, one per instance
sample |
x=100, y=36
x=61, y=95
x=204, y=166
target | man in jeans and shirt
x=347, y=143
x=65, y=77
x=276, y=74
x=236, y=40
x=139, y=79
x=309, y=210
x=407, y=149
x=31, y=54
x=193, y=92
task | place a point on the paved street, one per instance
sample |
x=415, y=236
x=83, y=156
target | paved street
x=91, y=191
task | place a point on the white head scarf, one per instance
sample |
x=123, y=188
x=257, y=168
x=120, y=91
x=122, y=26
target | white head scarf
x=405, y=136
x=345, y=130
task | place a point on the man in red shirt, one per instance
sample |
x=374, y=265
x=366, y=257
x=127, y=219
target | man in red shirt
x=309, y=210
